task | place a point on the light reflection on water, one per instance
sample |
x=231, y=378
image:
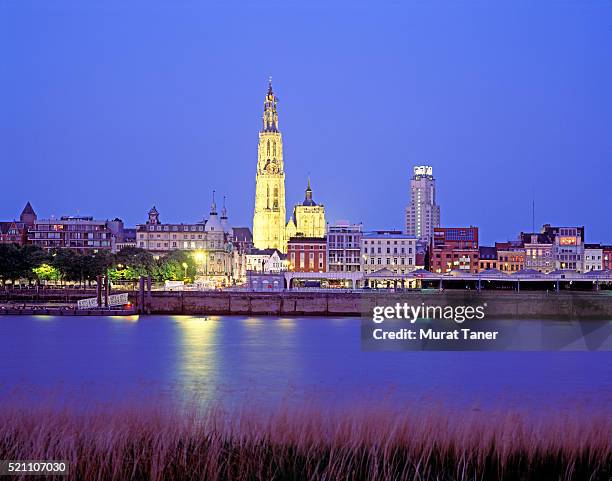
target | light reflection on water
x=197, y=364
x=274, y=360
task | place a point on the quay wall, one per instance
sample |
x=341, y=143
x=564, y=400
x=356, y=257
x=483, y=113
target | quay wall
x=506, y=305
x=497, y=303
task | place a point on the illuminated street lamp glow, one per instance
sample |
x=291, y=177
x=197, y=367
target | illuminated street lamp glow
x=199, y=256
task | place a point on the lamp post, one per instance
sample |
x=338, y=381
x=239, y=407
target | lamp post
x=185, y=267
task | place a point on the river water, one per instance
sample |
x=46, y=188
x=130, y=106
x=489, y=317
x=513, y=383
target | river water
x=270, y=360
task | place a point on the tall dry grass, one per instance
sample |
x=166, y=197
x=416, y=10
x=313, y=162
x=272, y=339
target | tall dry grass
x=136, y=443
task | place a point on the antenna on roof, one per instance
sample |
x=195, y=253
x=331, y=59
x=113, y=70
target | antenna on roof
x=533, y=210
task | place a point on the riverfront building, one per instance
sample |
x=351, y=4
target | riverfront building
x=538, y=251
x=83, y=234
x=487, y=258
x=510, y=256
x=266, y=261
x=270, y=215
x=568, y=247
x=242, y=243
x=16, y=231
x=422, y=213
x=555, y=248
x=13, y=232
x=211, y=244
x=606, y=258
x=307, y=254
x=593, y=257
x=127, y=238
x=391, y=250
x=161, y=238
x=344, y=247
x=454, y=248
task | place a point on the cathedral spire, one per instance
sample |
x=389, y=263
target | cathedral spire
x=270, y=115
x=308, y=198
x=269, y=217
x=223, y=210
x=224, y=220
x=213, y=206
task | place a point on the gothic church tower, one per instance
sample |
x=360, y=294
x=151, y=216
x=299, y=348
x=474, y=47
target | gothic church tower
x=269, y=217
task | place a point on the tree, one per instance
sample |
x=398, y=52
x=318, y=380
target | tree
x=10, y=265
x=172, y=266
x=123, y=274
x=45, y=272
x=69, y=264
x=139, y=262
x=31, y=257
x=97, y=264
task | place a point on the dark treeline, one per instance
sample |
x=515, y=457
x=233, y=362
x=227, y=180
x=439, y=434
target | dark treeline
x=30, y=264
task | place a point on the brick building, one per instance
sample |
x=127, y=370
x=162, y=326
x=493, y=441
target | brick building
x=16, y=231
x=454, y=248
x=13, y=232
x=606, y=264
x=307, y=254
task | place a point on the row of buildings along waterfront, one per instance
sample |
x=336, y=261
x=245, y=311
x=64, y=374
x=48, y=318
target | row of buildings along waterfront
x=423, y=243
x=339, y=247
x=306, y=242
x=80, y=233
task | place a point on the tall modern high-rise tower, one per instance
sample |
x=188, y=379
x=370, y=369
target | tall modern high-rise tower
x=269, y=217
x=422, y=213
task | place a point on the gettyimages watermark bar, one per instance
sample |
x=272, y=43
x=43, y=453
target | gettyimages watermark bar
x=403, y=325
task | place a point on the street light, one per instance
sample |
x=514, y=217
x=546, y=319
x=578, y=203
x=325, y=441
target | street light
x=199, y=257
x=185, y=267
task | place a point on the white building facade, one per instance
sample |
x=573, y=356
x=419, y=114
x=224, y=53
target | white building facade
x=392, y=250
x=266, y=261
x=593, y=257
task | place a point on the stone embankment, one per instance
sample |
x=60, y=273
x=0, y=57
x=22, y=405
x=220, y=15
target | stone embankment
x=498, y=304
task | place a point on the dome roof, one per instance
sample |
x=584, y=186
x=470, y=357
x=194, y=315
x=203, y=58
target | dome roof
x=213, y=224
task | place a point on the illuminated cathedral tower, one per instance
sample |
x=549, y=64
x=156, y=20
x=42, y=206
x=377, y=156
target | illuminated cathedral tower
x=269, y=217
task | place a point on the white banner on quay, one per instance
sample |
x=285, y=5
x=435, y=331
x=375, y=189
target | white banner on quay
x=113, y=300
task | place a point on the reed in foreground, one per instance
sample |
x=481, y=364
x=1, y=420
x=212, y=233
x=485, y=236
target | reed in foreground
x=307, y=444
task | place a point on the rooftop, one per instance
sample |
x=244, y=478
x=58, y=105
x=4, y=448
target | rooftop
x=302, y=240
x=387, y=234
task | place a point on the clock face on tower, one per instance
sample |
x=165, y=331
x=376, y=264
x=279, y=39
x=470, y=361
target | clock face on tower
x=271, y=167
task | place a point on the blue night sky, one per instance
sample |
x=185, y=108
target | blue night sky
x=109, y=107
